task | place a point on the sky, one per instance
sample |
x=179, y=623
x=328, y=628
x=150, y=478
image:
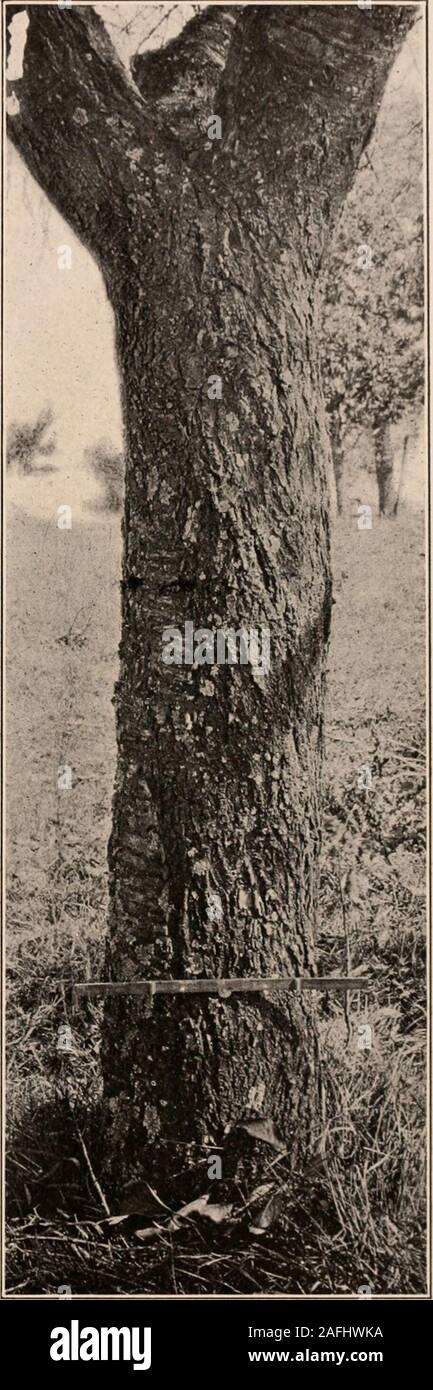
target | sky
x=58, y=322
x=59, y=330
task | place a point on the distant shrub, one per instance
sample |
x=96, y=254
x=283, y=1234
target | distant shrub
x=108, y=468
x=27, y=442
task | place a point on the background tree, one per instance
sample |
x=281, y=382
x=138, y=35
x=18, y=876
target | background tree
x=26, y=443
x=373, y=353
x=107, y=466
x=210, y=251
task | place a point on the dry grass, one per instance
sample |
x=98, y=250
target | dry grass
x=356, y=1216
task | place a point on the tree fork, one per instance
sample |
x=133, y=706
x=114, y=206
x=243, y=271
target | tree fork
x=211, y=254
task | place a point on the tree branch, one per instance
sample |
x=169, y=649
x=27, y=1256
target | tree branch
x=183, y=76
x=81, y=125
x=301, y=91
x=297, y=89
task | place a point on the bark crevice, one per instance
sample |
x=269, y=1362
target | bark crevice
x=211, y=257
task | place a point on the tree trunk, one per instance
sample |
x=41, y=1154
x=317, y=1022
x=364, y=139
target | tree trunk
x=384, y=464
x=215, y=838
x=337, y=459
x=211, y=253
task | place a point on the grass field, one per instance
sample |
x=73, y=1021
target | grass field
x=356, y=1217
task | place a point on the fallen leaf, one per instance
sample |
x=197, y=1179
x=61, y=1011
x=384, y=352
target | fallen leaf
x=268, y=1215
x=148, y=1231
x=265, y=1130
x=261, y=1191
x=203, y=1207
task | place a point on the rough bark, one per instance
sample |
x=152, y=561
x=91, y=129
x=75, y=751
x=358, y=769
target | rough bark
x=218, y=775
x=84, y=130
x=183, y=77
x=384, y=465
x=211, y=257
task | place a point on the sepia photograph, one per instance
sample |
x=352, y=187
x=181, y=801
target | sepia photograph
x=216, y=548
